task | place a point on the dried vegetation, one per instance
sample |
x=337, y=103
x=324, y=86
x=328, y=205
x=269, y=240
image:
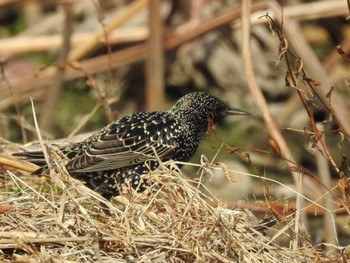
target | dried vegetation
x=57, y=219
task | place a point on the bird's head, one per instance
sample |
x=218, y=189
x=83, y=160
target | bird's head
x=201, y=108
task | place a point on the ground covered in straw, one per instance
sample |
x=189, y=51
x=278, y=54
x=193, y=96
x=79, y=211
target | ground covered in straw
x=57, y=219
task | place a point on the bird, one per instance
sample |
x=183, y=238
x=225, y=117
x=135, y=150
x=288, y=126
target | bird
x=124, y=150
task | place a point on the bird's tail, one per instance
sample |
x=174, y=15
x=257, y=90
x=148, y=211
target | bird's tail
x=36, y=157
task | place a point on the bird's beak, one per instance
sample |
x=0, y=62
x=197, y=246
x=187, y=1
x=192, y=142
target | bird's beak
x=234, y=111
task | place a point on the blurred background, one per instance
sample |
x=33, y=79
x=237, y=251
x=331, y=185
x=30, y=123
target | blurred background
x=86, y=63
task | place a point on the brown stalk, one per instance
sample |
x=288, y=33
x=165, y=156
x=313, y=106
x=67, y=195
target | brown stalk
x=155, y=95
x=21, y=165
x=21, y=44
x=47, y=118
x=258, y=95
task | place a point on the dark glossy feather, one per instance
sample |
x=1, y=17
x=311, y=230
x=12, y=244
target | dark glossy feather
x=124, y=143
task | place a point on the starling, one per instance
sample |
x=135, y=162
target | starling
x=123, y=151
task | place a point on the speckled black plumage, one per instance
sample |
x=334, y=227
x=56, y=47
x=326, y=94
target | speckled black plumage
x=124, y=150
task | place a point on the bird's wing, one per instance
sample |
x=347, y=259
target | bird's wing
x=125, y=143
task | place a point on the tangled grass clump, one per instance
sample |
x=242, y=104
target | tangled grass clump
x=64, y=221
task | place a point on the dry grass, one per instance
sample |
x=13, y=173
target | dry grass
x=58, y=219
